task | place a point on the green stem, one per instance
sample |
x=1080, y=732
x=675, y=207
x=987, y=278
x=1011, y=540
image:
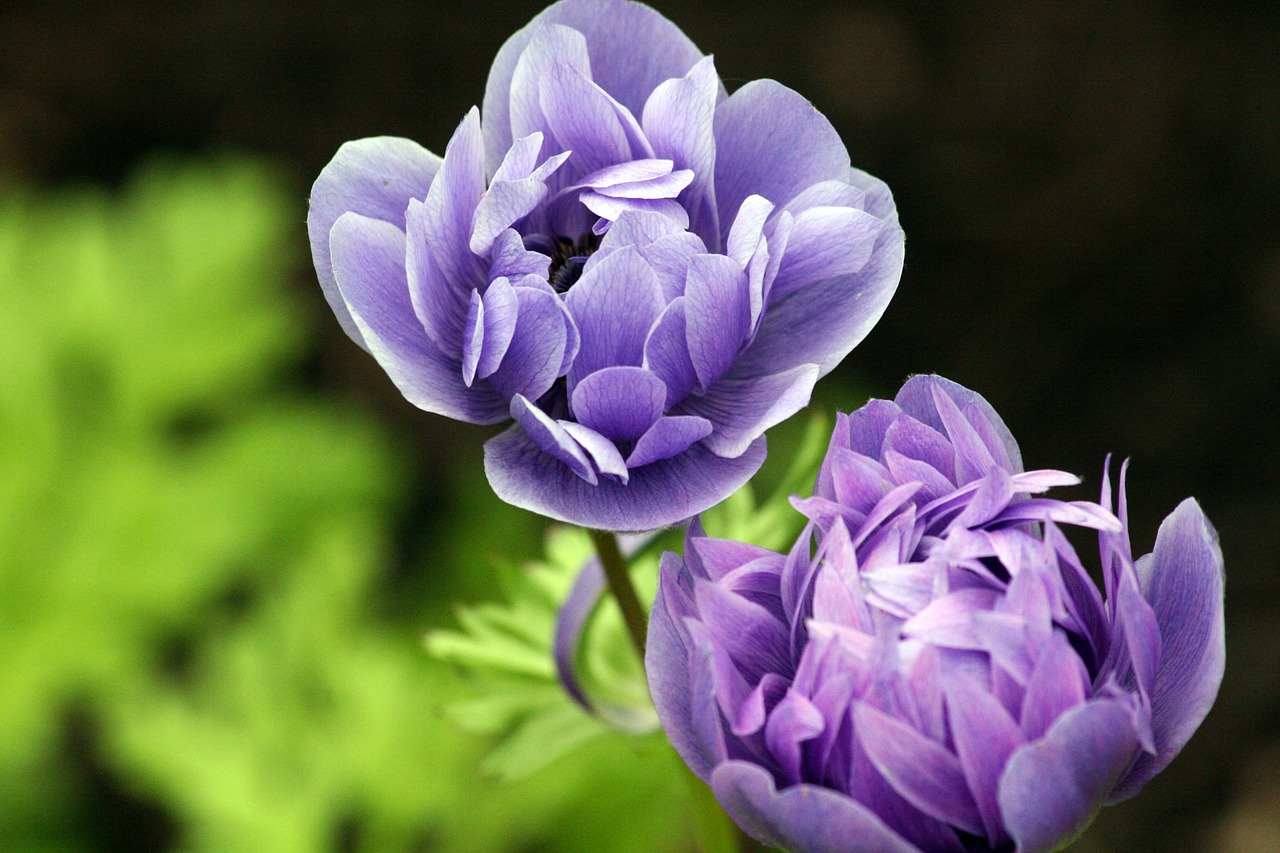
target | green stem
x=615, y=572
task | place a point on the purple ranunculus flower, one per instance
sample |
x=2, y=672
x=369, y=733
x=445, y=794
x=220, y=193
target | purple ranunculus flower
x=642, y=272
x=940, y=673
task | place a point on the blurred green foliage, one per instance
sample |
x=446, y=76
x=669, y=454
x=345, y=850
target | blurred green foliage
x=192, y=651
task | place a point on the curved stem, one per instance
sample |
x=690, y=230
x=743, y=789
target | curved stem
x=615, y=572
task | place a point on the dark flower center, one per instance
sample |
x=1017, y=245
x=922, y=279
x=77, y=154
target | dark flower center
x=567, y=259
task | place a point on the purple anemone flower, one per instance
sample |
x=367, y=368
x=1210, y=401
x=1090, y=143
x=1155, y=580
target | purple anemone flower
x=938, y=672
x=641, y=271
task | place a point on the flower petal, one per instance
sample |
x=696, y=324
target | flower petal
x=549, y=437
x=442, y=271
x=614, y=305
x=917, y=399
x=678, y=119
x=742, y=410
x=1058, y=683
x=925, y=773
x=826, y=242
x=507, y=202
x=1183, y=581
x=985, y=736
x=820, y=324
x=368, y=265
x=472, y=338
x=668, y=437
x=801, y=818
x=548, y=46
x=603, y=452
x=620, y=403
x=666, y=353
x=633, y=49
x=508, y=257
x=659, y=494
x=373, y=177
x=534, y=357
x=771, y=141
x=501, y=311
x=1052, y=788
x=580, y=116
x=682, y=702
x=753, y=638
x=716, y=314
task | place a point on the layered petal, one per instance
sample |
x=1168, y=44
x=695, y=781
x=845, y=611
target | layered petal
x=659, y=272
x=772, y=142
x=658, y=494
x=1053, y=788
x=633, y=50
x=614, y=305
x=1183, y=581
x=931, y=664
x=441, y=269
x=741, y=410
x=822, y=322
x=368, y=265
x=802, y=817
x=373, y=177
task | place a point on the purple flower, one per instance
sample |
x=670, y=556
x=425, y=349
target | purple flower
x=643, y=273
x=940, y=673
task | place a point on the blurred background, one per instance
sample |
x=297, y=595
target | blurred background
x=223, y=533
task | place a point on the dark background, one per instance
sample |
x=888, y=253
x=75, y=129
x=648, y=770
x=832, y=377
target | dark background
x=1089, y=190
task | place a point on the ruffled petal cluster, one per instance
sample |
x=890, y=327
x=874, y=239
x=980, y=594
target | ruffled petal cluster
x=640, y=271
x=931, y=667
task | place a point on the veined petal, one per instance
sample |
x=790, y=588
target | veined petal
x=667, y=437
x=717, y=316
x=1058, y=684
x=666, y=352
x=373, y=177
x=662, y=493
x=826, y=242
x=633, y=49
x=670, y=257
x=614, y=305
x=442, y=271
x=507, y=202
x=1182, y=579
x=533, y=359
x=603, y=452
x=917, y=398
x=620, y=403
x=671, y=683
x=520, y=109
x=771, y=141
x=508, y=257
x=547, y=436
x=747, y=229
x=609, y=208
x=472, y=338
x=579, y=115
x=742, y=410
x=1052, y=788
x=925, y=773
x=678, y=119
x=822, y=323
x=501, y=311
x=368, y=264
x=985, y=736
x=793, y=721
